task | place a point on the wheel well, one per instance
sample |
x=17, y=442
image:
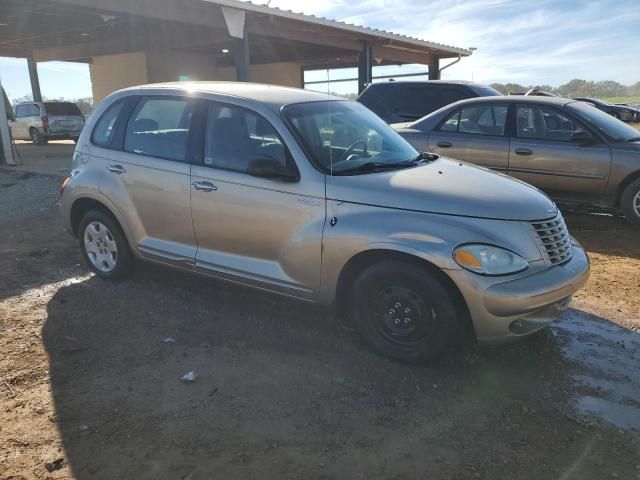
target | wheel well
x=361, y=261
x=81, y=206
x=624, y=184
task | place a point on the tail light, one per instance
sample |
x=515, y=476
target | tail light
x=45, y=121
x=64, y=185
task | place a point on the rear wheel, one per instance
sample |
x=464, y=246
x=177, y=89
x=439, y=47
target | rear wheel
x=104, y=246
x=37, y=137
x=630, y=203
x=403, y=312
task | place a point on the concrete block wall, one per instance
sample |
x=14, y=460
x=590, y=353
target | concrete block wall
x=113, y=72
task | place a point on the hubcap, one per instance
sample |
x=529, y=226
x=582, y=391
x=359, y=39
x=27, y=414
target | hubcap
x=636, y=204
x=101, y=247
x=401, y=315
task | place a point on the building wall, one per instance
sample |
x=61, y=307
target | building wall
x=170, y=65
x=113, y=72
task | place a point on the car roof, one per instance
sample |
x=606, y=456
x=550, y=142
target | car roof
x=427, y=82
x=517, y=99
x=270, y=95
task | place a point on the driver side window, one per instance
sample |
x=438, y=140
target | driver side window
x=235, y=136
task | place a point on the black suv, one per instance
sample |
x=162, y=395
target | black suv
x=397, y=102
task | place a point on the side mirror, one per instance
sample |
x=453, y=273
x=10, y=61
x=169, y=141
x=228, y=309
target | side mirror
x=265, y=166
x=582, y=137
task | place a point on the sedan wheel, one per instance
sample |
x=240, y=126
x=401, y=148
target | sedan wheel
x=630, y=203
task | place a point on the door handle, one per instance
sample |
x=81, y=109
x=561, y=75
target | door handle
x=445, y=144
x=116, y=169
x=204, y=186
x=524, y=151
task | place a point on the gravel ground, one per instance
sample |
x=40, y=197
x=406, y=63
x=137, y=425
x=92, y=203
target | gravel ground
x=89, y=390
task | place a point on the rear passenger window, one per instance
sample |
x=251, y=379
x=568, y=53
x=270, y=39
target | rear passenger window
x=105, y=128
x=480, y=120
x=159, y=127
x=451, y=123
x=234, y=136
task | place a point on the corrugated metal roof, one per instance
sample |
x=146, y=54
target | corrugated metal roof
x=289, y=14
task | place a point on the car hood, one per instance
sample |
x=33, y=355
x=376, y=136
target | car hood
x=445, y=187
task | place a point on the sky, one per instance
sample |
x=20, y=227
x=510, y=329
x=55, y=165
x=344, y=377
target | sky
x=521, y=41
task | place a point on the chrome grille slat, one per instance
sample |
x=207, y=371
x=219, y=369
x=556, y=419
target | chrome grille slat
x=554, y=239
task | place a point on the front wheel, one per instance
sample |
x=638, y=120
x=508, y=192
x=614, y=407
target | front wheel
x=104, y=246
x=630, y=203
x=403, y=312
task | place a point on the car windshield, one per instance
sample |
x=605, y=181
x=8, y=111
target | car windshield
x=62, y=108
x=345, y=138
x=485, y=91
x=610, y=127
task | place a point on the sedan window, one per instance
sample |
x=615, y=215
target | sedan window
x=545, y=123
x=478, y=120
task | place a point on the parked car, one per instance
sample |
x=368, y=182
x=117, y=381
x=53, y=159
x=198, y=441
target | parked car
x=569, y=149
x=315, y=197
x=408, y=101
x=624, y=113
x=44, y=121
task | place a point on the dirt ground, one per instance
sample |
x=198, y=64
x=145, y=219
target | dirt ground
x=89, y=390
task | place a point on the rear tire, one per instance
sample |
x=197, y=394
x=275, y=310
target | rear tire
x=37, y=137
x=404, y=312
x=630, y=203
x=104, y=246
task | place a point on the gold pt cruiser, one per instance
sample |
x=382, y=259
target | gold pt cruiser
x=315, y=197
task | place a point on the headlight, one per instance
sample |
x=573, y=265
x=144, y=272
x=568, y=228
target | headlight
x=488, y=260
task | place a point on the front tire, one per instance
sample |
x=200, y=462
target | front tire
x=404, y=312
x=104, y=246
x=630, y=203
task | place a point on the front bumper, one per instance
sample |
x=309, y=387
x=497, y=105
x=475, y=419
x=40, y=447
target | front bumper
x=502, y=310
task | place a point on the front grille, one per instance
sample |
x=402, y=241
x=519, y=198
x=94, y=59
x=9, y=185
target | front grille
x=554, y=238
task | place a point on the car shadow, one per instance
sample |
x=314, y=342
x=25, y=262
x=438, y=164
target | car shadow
x=282, y=390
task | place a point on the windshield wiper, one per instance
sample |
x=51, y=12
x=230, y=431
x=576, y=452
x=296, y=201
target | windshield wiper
x=373, y=166
x=634, y=139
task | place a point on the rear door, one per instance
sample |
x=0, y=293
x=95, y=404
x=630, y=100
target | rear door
x=476, y=134
x=262, y=232
x=142, y=143
x=543, y=154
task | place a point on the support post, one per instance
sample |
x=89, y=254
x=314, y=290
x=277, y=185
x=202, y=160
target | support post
x=5, y=137
x=35, y=81
x=242, y=56
x=365, y=67
x=434, y=68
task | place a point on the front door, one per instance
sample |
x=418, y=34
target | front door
x=474, y=134
x=257, y=231
x=543, y=154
